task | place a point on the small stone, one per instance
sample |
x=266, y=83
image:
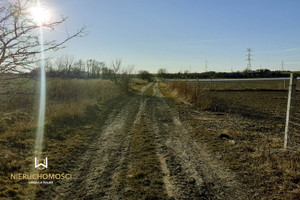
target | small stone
x=231, y=142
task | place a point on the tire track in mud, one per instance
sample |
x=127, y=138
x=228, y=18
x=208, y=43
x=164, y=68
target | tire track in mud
x=97, y=169
x=142, y=177
x=180, y=181
x=191, y=172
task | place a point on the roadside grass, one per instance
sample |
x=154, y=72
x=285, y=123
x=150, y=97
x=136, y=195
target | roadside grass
x=137, y=84
x=252, y=146
x=72, y=109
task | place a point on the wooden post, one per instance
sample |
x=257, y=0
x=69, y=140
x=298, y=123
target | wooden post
x=197, y=88
x=290, y=105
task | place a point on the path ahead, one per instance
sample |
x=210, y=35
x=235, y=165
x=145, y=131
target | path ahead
x=143, y=151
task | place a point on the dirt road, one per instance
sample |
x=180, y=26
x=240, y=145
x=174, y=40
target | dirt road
x=143, y=151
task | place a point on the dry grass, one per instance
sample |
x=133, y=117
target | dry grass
x=137, y=84
x=267, y=171
x=72, y=109
x=186, y=91
x=73, y=89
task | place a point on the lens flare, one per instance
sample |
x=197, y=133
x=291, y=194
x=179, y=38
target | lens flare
x=42, y=106
x=39, y=14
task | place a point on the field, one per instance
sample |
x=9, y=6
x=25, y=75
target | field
x=160, y=141
x=244, y=125
x=236, y=84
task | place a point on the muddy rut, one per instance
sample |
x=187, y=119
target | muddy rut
x=143, y=151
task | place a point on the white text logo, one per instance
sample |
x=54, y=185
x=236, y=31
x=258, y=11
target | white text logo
x=42, y=165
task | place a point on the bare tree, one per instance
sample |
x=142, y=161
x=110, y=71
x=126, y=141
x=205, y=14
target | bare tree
x=121, y=76
x=98, y=69
x=19, y=40
x=107, y=72
x=68, y=62
x=88, y=67
x=161, y=72
x=95, y=68
x=79, y=68
x=101, y=67
x=59, y=63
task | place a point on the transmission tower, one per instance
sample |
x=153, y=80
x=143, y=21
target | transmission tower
x=282, y=65
x=206, y=66
x=249, y=58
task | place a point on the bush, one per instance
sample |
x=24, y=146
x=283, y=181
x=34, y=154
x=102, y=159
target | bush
x=145, y=75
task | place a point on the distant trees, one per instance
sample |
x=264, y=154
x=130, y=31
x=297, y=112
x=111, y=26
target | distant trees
x=261, y=73
x=95, y=69
x=67, y=67
x=78, y=68
x=106, y=72
x=64, y=64
x=161, y=73
x=145, y=75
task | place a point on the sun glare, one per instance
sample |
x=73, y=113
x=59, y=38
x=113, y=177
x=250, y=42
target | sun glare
x=39, y=14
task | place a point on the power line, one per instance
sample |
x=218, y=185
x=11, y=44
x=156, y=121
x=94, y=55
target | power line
x=249, y=58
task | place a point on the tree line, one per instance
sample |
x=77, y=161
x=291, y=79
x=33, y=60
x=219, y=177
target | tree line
x=261, y=73
x=67, y=67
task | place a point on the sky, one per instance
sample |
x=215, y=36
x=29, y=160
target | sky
x=181, y=35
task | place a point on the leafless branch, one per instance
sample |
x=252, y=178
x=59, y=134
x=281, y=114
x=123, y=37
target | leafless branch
x=19, y=39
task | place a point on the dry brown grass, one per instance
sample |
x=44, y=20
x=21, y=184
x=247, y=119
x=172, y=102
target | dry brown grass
x=73, y=89
x=187, y=92
x=72, y=107
x=137, y=84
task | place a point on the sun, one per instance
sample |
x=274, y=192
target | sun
x=39, y=14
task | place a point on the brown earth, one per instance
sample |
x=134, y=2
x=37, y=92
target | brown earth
x=244, y=130
x=143, y=150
